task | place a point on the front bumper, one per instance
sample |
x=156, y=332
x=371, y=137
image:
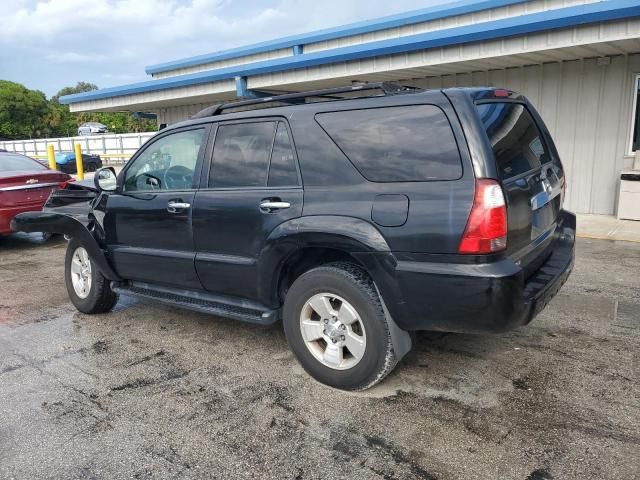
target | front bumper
x=475, y=298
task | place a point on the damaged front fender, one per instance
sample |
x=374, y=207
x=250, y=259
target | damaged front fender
x=73, y=213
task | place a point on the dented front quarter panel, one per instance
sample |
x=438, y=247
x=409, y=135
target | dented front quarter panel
x=84, y=203
x=76, y=201
x=77, y=211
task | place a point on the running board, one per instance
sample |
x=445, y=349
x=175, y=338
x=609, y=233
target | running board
x=237, y=309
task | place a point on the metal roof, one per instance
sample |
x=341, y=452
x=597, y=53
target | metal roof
x=547, y=20
x=407, y=18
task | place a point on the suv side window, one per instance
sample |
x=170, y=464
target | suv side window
x=413, y=143
x=282, y=168
x=241, y=155
x=166, y=164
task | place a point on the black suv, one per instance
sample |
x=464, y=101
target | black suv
x=356, y=215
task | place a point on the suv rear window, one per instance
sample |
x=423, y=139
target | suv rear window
x=516, y=141
x=396, y=144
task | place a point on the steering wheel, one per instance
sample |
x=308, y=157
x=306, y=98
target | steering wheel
x=177, y=177
x=146, y=181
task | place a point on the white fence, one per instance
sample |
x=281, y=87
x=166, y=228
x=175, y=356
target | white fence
x=113, y=149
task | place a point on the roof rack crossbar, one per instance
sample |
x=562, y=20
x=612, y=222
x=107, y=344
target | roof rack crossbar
x=387, y=88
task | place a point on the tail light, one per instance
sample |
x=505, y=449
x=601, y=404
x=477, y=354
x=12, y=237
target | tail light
x=66, y=183
x=486, y=230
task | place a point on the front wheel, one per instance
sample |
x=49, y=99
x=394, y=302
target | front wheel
x=337, y=328
x=88, y=289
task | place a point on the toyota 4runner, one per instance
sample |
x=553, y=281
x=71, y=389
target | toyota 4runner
x=357, y=215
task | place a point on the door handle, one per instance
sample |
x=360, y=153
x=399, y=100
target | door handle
x=174, y=207
x=271, y=205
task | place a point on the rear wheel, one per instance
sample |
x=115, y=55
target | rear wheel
x=337, y=328
x=88, y=289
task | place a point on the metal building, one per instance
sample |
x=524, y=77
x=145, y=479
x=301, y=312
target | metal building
x=577, y=60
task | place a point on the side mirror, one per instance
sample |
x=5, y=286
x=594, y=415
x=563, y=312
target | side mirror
x=105, y=179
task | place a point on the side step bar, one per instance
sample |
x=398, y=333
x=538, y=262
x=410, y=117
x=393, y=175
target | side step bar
x=237, y=309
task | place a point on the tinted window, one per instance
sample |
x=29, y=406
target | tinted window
x=166, y=164
x=396, y=144
x=515, y=138
x=635, y=139
x=282, y=169
x=10, y=162
x=241, y=155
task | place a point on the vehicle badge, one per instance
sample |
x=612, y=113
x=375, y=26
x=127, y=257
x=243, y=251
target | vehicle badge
x=31, y=181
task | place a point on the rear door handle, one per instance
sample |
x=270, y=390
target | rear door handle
x=272, y=205
x=175, y=206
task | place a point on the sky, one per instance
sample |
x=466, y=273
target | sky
x=47, y=45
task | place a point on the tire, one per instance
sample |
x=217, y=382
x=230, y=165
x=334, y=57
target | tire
x=338, y=283
x=97, y=296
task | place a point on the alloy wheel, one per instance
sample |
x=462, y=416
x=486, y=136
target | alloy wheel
x=81, y=272
x=333, y=331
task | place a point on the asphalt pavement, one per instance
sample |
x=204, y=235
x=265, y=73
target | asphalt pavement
x=153, y=392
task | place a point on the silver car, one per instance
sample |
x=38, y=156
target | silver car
x=92, y=128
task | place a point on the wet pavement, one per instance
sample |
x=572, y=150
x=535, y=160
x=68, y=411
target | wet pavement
x=155, y=392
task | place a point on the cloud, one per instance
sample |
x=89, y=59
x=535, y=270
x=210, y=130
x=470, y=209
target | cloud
x=52, y=44
x=74, y=57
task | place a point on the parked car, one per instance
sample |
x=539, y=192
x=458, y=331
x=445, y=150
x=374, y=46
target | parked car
x=92, y=128
x=66, y=162
x=25, y=186
x=355, y=221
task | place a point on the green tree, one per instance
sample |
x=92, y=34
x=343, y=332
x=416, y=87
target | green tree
x=116, y=122
x=80, y=87
x=27, y=113
x=60, y=120
x=23, y=112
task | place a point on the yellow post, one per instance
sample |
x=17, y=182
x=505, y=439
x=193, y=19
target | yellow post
x=52, y=157
x=79, y=164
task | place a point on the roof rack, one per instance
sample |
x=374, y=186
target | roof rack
x=387, y=88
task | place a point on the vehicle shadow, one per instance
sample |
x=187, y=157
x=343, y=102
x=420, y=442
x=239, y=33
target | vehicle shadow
x=21, y=241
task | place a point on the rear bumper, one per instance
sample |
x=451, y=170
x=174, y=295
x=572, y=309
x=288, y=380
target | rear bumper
x=9, y=213
x=474, y=298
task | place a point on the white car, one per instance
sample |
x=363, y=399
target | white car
x=92, y=128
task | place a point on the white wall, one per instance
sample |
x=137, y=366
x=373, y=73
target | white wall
x=532, y=6
x=171, y=115
x=488, y=15
x=587, y=107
